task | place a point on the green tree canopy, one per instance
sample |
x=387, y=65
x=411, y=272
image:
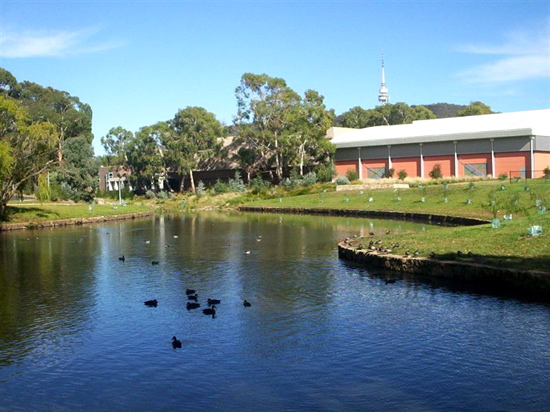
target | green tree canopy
x=475, y=109
x=26, y=148
x=384, y=115
x=193, y=137
x=282, y=128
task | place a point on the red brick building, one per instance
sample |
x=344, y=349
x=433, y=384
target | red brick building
x=515, y=144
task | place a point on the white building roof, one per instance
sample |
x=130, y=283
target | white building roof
x=534, y=122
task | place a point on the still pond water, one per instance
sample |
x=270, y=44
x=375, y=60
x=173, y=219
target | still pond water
x=320, y=335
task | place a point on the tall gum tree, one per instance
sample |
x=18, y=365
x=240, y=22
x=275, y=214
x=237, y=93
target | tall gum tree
x=193, y=137
x=27, y=148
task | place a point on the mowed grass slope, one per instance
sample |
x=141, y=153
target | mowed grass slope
x=509, y=245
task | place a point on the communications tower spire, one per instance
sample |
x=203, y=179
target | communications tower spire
x=383, y=96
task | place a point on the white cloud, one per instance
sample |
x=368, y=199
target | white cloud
x=524, y=55
x=51, y=44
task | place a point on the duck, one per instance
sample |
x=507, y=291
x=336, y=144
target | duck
x=176, y=343
x=213, y=302
x=151, y=303
x=190, y=291
x=193, y=297
x=154, y=262
x=210, y=311
x=247, y=304
x=193, y=305
x=390, y=281
x=122, y=258
x=247, y=252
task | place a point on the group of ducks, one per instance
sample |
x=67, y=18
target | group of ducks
x=192, y=296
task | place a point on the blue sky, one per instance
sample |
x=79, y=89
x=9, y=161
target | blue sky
x=139, y=62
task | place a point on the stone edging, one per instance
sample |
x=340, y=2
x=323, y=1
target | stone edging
x=512, y=279
x=71, y=222
x=418, y=217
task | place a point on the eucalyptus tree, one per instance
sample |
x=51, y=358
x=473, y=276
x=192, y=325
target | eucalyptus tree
x=115, y=143
x=267, y=117
x=310, y=144
x=475, y=109
x=71, y=117
x=27, y=148
x=355, y=118
x=144, y=155
x=193, y=137
x=383, y=115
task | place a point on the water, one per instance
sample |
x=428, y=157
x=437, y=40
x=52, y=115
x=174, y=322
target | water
x=321, y=335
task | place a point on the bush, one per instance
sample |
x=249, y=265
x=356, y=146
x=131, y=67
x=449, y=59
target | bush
x=390, y=173
x=402, y=174
x=201, y=190
x=503, y=176
x=352, y=175
x=220, y=187
x=163, y=195
x=236, y=184
x=342, y=181
x=149, y=194
x=436, y=172
x=325, y=172
x=310, y=179
x=259, y=185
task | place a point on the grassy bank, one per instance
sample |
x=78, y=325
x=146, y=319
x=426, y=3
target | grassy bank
x=37, y=213
x=509, y=245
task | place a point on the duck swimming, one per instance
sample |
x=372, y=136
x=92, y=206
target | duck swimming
x=247, y=304
x=151, y=303
x=209, y=311
x=213, y=302
x=193, y=305
x=176, y=343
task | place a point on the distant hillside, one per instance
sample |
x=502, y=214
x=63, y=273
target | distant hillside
x=442, y=110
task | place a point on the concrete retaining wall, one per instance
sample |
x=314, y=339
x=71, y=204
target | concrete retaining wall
x=498, y=277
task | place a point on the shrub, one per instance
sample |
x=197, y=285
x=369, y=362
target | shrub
x=236, y=184
x=310, y=179
x=352, y=175
x=201, y=189
x=220, y=187
x=547, y=171
x=325, y=172
x=402, y=174
x=436, y=172
x=259, y=185
x=342, y=181
x=149, y=194
x=503, y=176
x=162, y=195
x=390, y=172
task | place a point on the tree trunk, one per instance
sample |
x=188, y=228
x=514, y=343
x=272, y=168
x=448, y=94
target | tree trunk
x=192, y=180
x=182, y=182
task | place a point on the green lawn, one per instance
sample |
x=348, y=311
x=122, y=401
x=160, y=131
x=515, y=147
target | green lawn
x=510, y=245
x=36, y=213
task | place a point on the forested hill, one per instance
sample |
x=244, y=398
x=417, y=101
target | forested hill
x=442, y=110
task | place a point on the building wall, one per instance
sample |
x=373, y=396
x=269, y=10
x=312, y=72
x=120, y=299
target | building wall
x=542, y=161
x=343, y=166
x=511, y=162
x=445, y=162
x=410, y=165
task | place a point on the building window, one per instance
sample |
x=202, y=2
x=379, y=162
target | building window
x=376, y=172
x=475, y=169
